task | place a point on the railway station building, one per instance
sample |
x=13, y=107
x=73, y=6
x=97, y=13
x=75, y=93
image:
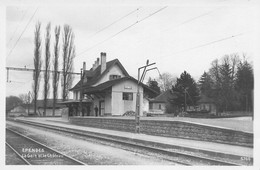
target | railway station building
x=108, y=89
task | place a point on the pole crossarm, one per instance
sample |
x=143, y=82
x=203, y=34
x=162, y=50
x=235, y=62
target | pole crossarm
x=30, y=69
x=146, y=65
x=147, y=71
x=144, y=71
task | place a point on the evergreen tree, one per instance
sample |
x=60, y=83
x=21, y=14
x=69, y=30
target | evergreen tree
x=223, y=76
x=206, y=84
x=227, y=92
x=153, y=84
x=244, y=85
x=185, y=88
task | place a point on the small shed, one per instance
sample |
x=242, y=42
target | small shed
x=207, y=104
x=18, y=111
x=161, y=103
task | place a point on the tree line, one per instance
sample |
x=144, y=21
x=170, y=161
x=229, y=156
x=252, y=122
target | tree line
x=68, y=54
x=229, y=82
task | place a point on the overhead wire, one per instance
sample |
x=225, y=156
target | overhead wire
x=114, y=22
x=182, y=23
x=109, y=25
x=206, y=44
x=192, y=19
x=23, y=32
x=21, y=19
x=126, y=28
x=24, y=83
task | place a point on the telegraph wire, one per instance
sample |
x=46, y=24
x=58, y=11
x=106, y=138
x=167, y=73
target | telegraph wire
x=206, y=44
x=152, y=14
x=182, y=23
x=24, y=14
x=192, y=19
x=24, y=83
x=23, y=32
x=128, y=27
x=116, y=21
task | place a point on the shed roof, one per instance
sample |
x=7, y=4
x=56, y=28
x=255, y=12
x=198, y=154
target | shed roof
x=164, y=97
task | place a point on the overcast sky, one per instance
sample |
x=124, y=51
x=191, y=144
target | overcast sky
x=177, y=36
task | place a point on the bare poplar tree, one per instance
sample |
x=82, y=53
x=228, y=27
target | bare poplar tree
x=23, y=97
x=55, y=81
x=68, y=56
x=37, y=63
x=47, y=68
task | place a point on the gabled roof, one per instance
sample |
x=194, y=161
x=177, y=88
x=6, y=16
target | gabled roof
x=20, y=107
x=164, y=97
x=108, y=84
x=96, y=74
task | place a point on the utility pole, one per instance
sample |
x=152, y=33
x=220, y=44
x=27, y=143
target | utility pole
x=185, y=100
x=140, y=79
x=28, y=104
x=81, y=94
x=252, y=104
x=7, y=76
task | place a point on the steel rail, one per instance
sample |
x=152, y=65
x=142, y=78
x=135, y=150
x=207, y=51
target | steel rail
x=18, y=154
x=45, y=146
x=166, y=152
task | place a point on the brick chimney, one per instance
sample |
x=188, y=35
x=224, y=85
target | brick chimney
x=103, y=62
x=95, y=65
x=98, y=62
x=84, y=66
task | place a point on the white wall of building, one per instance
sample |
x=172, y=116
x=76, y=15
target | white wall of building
x=145, y=105
x=76, y=95
x=115, y=70
x=108, y=103
x=120, y=106
x=158, y=107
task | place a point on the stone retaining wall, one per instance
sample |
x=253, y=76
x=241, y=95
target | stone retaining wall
x=171, y=129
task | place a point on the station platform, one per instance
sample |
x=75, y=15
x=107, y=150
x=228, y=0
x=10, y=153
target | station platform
x=219, y=148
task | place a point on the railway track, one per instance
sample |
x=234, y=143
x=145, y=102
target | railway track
x=174, y=156
x=31, y=152
x=13, y=157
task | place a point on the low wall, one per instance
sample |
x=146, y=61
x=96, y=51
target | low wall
x=177, y=129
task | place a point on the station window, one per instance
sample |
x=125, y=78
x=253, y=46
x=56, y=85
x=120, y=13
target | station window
x=150, y=106
x=76, y=94
x=113, y=76
x=127, y=96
